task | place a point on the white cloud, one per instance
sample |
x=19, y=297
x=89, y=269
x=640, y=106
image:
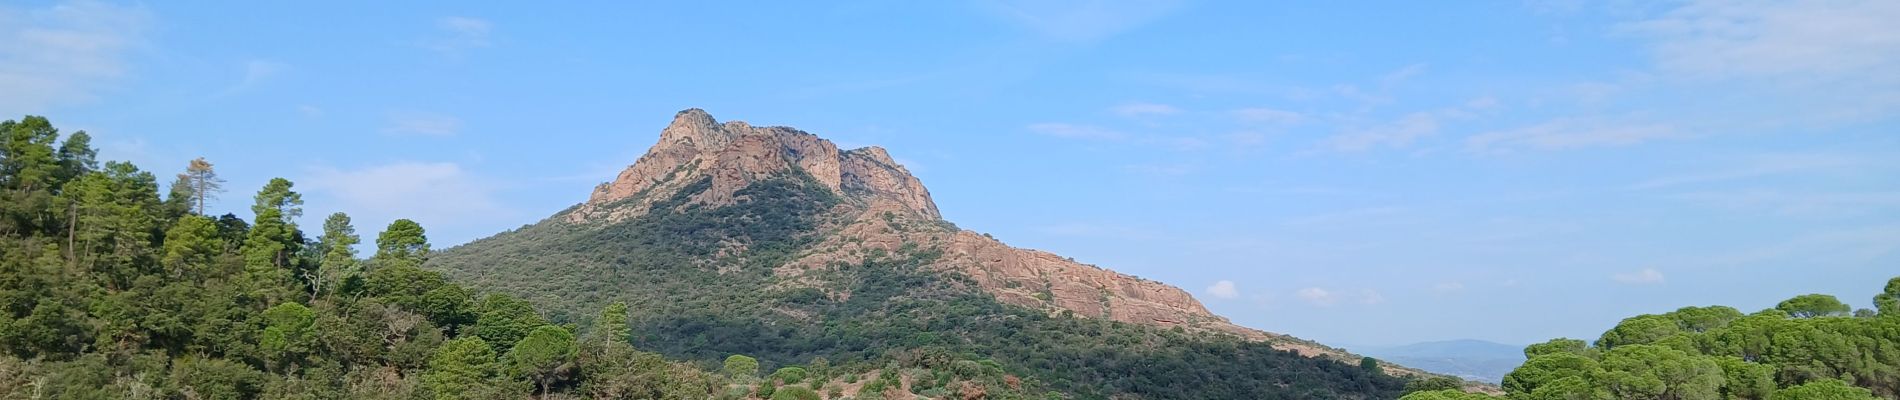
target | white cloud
x=432, y=193
x=1160, y=170
x=1224, y=290
x=1135, y=110
x=458, y=34
x=1317, y=296
x=1073, y=131
x=1448, y=287
x=1096, y=133
x=1820, y=61
x=1767, y=165
x=1402, y=74
x=1081, y=20
x=1400, y=133
x=1571, y=133
x=423, y=124
x=66, y=53
x=1647, y=276
x=1268, y=116
x=1484, y=103
x=1810, y=39
x=255, y=72
x=1369, y=297
x=1800, y=203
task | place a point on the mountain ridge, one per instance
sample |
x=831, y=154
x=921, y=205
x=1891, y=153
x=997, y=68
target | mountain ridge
x=892, y=208
x=770, y=239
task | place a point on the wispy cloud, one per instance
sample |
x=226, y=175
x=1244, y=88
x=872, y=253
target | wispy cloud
x=1402, y=74
x=1370, y=297
x=1270, y=116
x=1322, y=297
x=1800, y=203
x=1448, y=287
x=1571, y=133
x=1137, y=110
x=1317, y=296
x=434, y=193
x=1814, y=39
x=423, y=124
x=254, y=73
x=1160, y=170
x=1397, y=134
x=1647, y=276
x=1762, y=166
x=65, y=53
x=455, y=35
x=1823, y=61
x=1100, y=134
x=1224, y=289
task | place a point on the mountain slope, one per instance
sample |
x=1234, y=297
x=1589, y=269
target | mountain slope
x=728, y=238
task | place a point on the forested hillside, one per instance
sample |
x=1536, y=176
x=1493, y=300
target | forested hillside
x=692, y=308
x=1810, y=347
x=113, y=287
x=727, y=238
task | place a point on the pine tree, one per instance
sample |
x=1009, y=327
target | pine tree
x=205, y=184
x=338, y=249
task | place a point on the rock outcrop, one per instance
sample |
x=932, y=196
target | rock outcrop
x=886, y=209
x=735, y=154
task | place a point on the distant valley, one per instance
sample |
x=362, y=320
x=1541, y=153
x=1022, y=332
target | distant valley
x=1471, y=359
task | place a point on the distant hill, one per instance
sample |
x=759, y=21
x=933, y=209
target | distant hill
x=1471, y=359
x=730, y=238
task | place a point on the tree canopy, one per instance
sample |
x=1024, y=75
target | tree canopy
x=1807, y=347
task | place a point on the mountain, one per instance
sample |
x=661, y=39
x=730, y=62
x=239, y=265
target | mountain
x=1471, y=359
x=727, y=238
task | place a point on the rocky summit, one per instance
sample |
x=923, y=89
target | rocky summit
x=885, y=208
x=727, y=238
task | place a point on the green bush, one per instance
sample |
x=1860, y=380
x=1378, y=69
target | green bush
x=788, y=375
x=795, y=392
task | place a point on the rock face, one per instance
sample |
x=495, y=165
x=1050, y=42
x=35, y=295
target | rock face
x=886, y=209
x=735, y=154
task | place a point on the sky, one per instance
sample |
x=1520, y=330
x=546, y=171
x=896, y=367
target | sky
x=1368, y=173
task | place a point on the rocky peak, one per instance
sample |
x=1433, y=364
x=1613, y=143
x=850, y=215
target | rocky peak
x=693, y=128
x=733, y=154
x=890, y=210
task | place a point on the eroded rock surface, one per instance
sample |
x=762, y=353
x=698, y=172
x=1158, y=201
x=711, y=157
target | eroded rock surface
x=885, y=209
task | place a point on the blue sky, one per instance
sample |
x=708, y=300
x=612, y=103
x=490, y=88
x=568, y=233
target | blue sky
x=1348, y=172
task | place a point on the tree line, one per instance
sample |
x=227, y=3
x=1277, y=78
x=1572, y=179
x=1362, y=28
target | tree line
x=1809, y=347
x=113, y=287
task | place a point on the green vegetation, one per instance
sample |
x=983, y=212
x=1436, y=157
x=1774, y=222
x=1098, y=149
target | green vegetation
x=700, y=284
x=1808, y=347
x=110, y=290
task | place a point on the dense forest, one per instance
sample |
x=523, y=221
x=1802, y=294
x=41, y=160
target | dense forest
x=697, y=298
x=1810, y=347
x=113, y=288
